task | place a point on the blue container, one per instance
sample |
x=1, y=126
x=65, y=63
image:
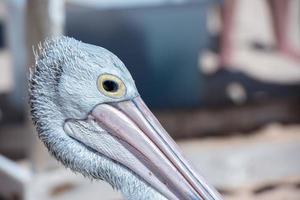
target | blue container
x=160, y=46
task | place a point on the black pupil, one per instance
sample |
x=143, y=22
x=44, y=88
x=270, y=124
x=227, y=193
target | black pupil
x=110, y=86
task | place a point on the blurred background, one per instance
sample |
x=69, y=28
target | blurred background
x=223, y=77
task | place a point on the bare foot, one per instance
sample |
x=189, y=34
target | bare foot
x=274, y=67
x=291, y=52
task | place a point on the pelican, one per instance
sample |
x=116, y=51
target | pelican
x=90, y=116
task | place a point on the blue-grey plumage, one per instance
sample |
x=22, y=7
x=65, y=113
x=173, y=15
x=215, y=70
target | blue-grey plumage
x=90, y=116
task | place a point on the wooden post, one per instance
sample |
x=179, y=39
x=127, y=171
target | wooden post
x=45, y=18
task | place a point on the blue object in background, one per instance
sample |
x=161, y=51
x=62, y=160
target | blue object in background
x=160, y=46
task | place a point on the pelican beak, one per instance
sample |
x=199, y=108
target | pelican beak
x=133, y=124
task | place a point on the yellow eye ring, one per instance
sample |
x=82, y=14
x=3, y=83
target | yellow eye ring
x=111, y=86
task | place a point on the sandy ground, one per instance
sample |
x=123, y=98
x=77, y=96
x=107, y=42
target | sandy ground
x=264, y=165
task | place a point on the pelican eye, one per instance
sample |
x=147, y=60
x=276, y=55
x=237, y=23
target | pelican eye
x=111, y=86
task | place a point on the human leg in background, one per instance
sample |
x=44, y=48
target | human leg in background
x=227, y=14
x=279, y=11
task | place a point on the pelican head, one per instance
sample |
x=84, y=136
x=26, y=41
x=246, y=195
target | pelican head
x=90, y=116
